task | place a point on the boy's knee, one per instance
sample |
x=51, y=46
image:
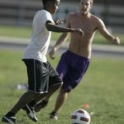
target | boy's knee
x=34, y=94
x=62, y=90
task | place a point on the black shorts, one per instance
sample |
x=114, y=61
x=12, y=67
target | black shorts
x=41, y=76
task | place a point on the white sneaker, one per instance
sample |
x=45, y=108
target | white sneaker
x=53, y=115
x=10, y=119
x=31, y=113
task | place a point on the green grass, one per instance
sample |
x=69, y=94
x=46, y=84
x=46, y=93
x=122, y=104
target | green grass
x=102, y=88
x=25, y=32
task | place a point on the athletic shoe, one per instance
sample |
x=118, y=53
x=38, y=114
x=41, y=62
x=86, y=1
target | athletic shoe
x=10, y=119
x=30, y=112
x=53, y=115
x=40, y=105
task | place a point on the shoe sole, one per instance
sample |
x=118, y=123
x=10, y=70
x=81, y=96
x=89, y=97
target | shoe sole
x=34, y=120
x=54, y=118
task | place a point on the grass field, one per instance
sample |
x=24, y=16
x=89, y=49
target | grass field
x=102, y=88
x=25, y=32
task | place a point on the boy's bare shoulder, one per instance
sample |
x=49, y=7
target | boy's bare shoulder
x=96, y=18
x=97, y=21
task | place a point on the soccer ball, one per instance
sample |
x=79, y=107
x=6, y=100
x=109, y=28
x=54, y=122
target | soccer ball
x=80, y=116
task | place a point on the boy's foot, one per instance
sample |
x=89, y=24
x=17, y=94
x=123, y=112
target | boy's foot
x=10, y=119
x=40, y=105
x=53, y=115
x=31, y=113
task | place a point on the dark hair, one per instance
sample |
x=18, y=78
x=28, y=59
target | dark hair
x=46, y=1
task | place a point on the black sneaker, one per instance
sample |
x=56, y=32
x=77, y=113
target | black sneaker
x=40, y=105
x=31, y=113
x=10, y=119
x=53, y=115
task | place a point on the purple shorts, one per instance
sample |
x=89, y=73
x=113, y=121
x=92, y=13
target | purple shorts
x=71, y=69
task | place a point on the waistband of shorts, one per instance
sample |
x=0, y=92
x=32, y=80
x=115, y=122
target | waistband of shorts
x=76, y=55
x=24, y=59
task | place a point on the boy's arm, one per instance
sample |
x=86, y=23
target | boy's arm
x=106, y=34
x=59, y=42
x=55, y=28
x=61, y=39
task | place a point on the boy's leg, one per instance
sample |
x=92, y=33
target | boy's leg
x=62, y=96
x=25, y=98
x=51, y=90
x=54, y=83
x=44, y=100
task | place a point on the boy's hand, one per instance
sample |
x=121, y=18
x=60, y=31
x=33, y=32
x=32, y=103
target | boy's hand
x=59, y=21
x=117, y=40
x=51, y=54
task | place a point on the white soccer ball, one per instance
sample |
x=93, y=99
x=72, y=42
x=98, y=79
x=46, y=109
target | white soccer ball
x=80, y=116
